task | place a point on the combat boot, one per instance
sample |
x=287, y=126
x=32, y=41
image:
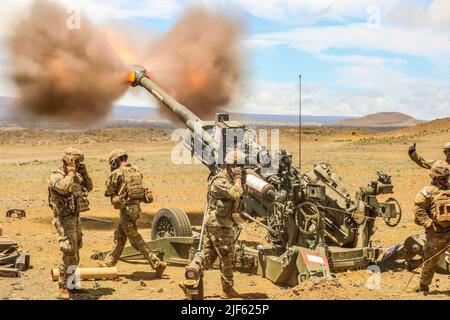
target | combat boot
x=420, y=288
x=160, y=269
x=63, y=294
x=229, y=293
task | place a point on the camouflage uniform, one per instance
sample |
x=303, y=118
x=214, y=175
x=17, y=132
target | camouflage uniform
x=118, y=187
x=424, y=163
x=67, y=198
x=223, y=200
x=430, y=206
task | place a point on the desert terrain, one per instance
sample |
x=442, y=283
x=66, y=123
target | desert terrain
x=27, y=157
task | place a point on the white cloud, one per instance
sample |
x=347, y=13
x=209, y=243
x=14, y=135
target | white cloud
x=304, y=12
x=380, y=89
x=398, y=40
x=262, y=97
x=364, y=83
x=436, y=15
x=100, y=11
x=104, y=10
x=360, y=59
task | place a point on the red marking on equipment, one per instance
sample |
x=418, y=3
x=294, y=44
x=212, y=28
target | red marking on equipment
x=315, y=259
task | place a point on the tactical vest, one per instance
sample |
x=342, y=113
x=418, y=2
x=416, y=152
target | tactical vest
x=441, y=208
x=220, y=210
x=75, y=201
x=134, y=190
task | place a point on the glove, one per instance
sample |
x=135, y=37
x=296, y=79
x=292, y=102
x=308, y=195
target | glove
x=244, y=176
x=412, y=149
x=433, y=228
x=82, y=169
x=237, y=172
x=71, y=169
x=148, y=196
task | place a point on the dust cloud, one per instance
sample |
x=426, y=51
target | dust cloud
x=197, y=61
x=65, y=74
x=75, y=75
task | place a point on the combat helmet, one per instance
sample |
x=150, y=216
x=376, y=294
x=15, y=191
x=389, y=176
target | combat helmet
x=235, y=156
x=71, y=154
x=440, y=169
x=447, y=147
x=116, y=154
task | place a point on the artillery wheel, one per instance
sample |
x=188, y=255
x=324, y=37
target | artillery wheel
x=392, y=222
x=307, y=218
x=171, y=222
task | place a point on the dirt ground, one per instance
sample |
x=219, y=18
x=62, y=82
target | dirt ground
x=27, y=158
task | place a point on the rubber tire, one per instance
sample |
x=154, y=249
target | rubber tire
x=179, y=220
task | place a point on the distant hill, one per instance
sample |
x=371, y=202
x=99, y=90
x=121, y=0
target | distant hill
x=431, y=126
x=127, y=115
x=380, y=120
x=305, y=119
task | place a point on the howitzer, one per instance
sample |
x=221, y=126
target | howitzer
x=301, y=211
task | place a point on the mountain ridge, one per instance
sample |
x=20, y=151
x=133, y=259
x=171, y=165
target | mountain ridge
x=380, y=120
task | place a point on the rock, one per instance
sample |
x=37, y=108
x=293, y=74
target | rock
x=18, y=287
x=142, y=283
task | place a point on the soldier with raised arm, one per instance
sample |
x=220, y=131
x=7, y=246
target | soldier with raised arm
x=68, y=188
x=424, y=163
x=432, y=211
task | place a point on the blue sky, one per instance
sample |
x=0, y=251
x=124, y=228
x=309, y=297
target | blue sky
x=355, y=57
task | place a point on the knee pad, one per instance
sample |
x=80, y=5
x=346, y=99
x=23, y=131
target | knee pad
x=66, y=246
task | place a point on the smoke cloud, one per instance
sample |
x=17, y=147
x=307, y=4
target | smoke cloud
x=75, y=75
x=61, y=73
x=197, y=61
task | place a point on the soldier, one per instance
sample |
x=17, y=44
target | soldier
x=125, y=187
x=224, y=199
x=68, y=188
x=432, y=211
x=427, y=164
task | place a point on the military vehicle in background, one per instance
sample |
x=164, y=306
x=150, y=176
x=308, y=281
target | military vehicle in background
x=314, y=227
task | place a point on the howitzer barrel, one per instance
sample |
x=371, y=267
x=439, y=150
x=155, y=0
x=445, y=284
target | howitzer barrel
x=139, y=77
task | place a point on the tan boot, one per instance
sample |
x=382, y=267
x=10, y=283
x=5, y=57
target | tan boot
x=63, y=294
x=160, y=269
x=229, y=293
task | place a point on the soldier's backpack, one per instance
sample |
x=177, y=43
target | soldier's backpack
x=134, y=184
x=442, y=208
